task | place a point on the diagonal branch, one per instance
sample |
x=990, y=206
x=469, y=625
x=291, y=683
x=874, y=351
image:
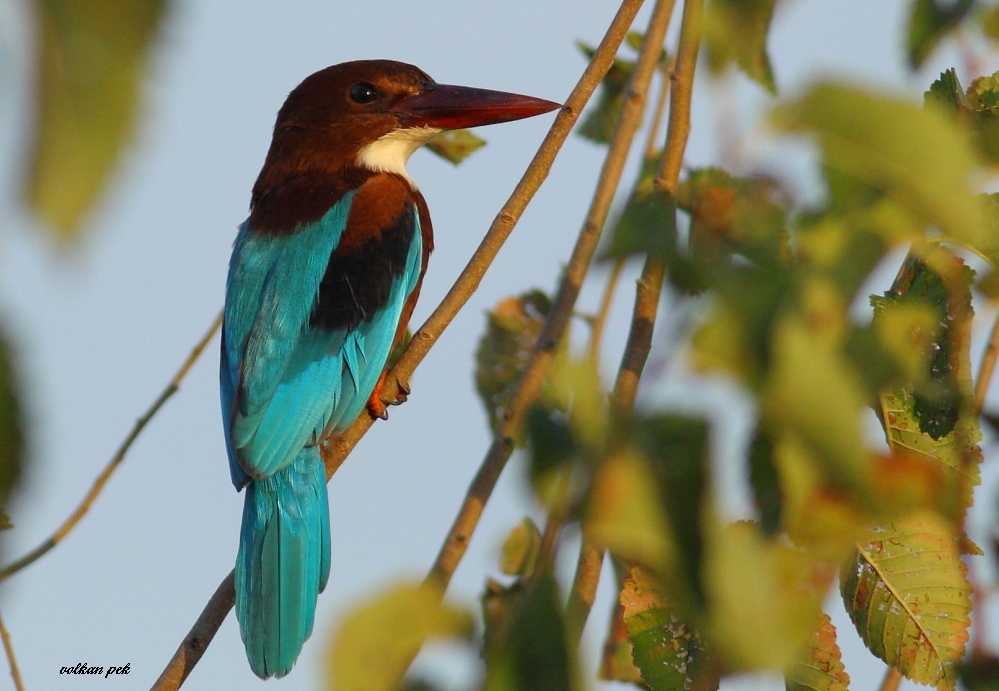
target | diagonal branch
x=9, y=649
x=116, y=459
x=336, y=450
x=529, y=385
x=647, y=296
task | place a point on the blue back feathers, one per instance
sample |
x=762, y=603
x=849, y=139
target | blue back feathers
x=289, y=379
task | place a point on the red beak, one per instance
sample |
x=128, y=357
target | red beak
x=453, y=107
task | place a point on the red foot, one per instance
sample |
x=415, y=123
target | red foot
x=376, y=406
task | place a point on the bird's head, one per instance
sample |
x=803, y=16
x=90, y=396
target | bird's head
x=373, y=114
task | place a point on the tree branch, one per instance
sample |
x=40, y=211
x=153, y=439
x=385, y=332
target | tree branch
x=527, y=387
x=116, y=459
x=647, y=295
x=988, y=366
x=336, y=450
x=201, y=634
x=9, y=649
x=668, y=175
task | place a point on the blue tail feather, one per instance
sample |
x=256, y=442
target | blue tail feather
x=283, y=562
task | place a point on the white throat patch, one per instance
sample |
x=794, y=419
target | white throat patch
x=389, y=153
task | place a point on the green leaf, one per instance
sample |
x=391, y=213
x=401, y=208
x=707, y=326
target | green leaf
x=977, y=109
x=918, y=156
x=947, y=93
x=616, y=663
x=988, y=20
x=936, y=418
x=814, y=392
x=499, y=605
x=377, y=640
x=980, y=672
x=455, y=145
x=92, y=60
x=601, y=118
x=930, y=22
x=669, y=652
x=750, y=580
x=512, y=328
x=906, y=590
x=520, y=549
x=733, y=216
x=625, y=513
x=821, y=667
x=11, y=427
x=648, y=223
x=676, y=448
x=765, y=483
x=532, y=654
x=736, y=31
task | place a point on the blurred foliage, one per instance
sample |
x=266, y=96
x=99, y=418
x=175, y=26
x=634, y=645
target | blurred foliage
x=520, y=550
x=92, y=60
x=378, y=639
x=929, y=22
x=735, y=32
x=11, y=427
x=512, y=330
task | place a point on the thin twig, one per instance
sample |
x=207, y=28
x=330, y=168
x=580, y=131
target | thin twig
x=528, y=386
x=116, y=459
x=657, y=116
x=584, y=588
x=600, y=321
x=647, y=295
x=988, y=366
x=892, y=680
x=668, y=176
x=336, y=450
x=14, y=672
x=201, y=634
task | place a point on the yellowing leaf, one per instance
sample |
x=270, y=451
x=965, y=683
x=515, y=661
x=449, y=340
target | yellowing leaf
x=821, y=667
x=919, y=156
x=92, y=61
x=906, y=590
x=935, y=417
x=455, y=146
x=733, y=217
x=815, y=392
x=736, y=31
x=378, y=639
x=520, y=550
x=668, y=651
x=763, y=598
x=512, y=328
x=625, y=513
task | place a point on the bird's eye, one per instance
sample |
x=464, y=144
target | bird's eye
x=363, y=93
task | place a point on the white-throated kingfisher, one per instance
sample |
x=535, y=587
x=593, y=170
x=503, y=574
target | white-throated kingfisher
x=323, y=279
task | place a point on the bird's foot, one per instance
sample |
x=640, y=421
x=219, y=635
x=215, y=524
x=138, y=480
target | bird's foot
x=377, y=406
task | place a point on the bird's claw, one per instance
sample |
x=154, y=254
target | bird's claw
x=376, y=406
x=403, y=395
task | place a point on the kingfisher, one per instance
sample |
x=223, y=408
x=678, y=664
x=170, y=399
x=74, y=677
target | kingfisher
x=323, y=278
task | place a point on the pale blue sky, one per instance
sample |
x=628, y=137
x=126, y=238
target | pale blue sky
x=100, y=333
